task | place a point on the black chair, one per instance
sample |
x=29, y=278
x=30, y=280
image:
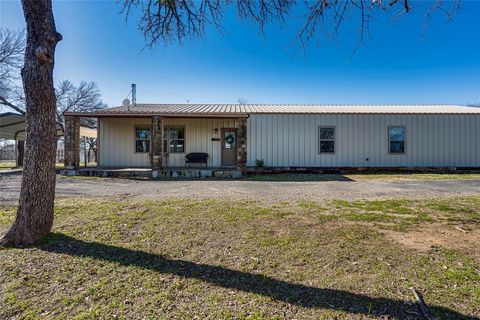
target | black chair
x=196, y=157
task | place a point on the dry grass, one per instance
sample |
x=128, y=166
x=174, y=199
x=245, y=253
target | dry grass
x=415, y=176
x=208, y=259
x=7, y=165
x=360, y=177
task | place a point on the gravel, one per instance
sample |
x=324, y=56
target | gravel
x=245, y=189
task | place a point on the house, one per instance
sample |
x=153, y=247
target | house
x=159, y=136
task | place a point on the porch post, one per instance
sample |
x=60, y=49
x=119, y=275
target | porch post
x=72, y=143
x=16, y=154
x=157, y=145
x=242, y=145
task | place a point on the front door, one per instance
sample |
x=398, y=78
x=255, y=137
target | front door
x=229, y=147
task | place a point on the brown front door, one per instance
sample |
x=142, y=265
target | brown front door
x=229, y=147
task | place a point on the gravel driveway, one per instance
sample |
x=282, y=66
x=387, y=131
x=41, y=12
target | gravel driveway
x=245, y=189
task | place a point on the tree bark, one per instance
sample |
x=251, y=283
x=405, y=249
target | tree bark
x=21, y=152
x=35, y=210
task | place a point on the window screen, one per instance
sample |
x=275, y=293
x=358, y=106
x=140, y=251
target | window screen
x=396, y=140
x=327, y=140
x=142, y=139
x=174, y=139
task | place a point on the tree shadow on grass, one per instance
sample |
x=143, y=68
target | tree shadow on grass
x=291, y=293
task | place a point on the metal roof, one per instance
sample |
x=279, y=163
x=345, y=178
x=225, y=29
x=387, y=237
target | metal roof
x=235, y=110
x=12, y=127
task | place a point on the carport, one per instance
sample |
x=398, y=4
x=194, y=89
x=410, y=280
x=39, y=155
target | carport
x=12, y=127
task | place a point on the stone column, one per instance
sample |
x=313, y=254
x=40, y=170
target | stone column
x=242, y=145
x=157, y=145
x=72, y=143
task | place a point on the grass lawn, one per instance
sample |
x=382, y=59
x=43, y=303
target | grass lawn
x=7, y=165
x=359, y=177
x=58, y=165
x=241, y=260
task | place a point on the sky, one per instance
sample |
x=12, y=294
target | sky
x=400, y=62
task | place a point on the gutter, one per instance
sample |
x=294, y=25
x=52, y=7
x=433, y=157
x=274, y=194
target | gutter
x=148, y=115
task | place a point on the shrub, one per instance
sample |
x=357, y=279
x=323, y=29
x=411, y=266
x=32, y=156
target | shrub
x=259, y=163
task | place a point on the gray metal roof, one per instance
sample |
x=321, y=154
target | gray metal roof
x=220, y=110
x=12, y=127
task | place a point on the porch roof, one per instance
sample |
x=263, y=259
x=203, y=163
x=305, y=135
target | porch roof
x=243, y=110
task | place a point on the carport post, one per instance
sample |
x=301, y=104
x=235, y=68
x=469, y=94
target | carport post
x=85, y=151
x=16, y=154
x=72, y=145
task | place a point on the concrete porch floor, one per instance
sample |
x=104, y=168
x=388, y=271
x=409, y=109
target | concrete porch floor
x=171, y=172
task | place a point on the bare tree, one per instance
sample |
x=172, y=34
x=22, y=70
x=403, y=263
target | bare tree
x=84, y=97
x=175, y=20
x=7, y=150
x=12, y=47
x=242, y=100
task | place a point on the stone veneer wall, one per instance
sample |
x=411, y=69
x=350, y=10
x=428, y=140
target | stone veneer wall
x=242, y=145
x=157, y=145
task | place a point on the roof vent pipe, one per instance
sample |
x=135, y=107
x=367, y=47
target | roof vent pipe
x=134, y=94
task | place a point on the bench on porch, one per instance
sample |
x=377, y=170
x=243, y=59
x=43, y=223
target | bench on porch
x=196, y=157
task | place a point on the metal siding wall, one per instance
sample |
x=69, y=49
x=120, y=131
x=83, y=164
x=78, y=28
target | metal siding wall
x=431, y=140
x=117, y=140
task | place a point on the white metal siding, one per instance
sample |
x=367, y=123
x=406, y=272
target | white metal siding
x=117, y=140
x=432, y=140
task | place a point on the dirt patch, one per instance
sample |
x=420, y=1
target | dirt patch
x=447, y=236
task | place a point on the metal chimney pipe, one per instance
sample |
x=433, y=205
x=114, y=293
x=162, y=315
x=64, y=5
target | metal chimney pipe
x=134, y=94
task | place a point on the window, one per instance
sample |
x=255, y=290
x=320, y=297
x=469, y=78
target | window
x=174, y=139
x=396, y=140
x=327, y=139
x=142, y=139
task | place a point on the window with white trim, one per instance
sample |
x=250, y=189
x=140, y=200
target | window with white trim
x=142, y=139
x=174, y=139
x=396, y=140
x=326, y=137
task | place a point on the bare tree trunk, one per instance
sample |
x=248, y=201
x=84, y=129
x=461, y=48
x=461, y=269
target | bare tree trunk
x=89, y=154
x=21, y=152
x=35, y=210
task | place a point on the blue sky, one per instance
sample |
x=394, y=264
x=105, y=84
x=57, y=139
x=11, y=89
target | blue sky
x=399, y=64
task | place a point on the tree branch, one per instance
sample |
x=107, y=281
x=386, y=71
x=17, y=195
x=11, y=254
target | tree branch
x=4, y=102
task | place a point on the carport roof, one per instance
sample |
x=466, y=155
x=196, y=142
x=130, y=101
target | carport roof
x=243, y=110
x=12, y=127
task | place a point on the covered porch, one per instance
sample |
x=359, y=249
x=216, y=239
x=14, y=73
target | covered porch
x=162, y=146
x=166, y=173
